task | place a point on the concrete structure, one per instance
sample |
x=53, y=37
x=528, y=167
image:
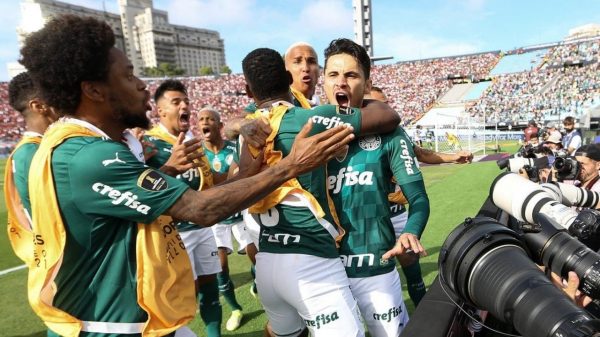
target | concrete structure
x=141, y=31
x=363, y=27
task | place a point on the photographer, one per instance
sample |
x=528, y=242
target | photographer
x=572, y=139
x=588, y=157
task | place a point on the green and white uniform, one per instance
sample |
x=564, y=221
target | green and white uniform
x=220, y=162
x=359, y=184
x=298, y=259
x=103, y=192
x=199, y=242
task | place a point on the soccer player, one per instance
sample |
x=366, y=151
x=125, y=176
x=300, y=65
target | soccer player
x=223, y=158
x=108, y=263
x=409, y=261
x=174, y=111
x=359, y=182
x=23, y=97
x=298, y=262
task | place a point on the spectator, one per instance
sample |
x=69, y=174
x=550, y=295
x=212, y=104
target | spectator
x=572, y=139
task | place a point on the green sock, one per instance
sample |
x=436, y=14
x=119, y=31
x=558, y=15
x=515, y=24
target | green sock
x=227, y=289
x=210, y=308
x=414, y=282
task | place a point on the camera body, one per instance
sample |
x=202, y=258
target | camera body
x=566, y=167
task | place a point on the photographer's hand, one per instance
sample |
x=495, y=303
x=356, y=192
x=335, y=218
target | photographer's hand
x=570, y=289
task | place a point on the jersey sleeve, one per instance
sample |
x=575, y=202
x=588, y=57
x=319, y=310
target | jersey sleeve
x=250, y=108
x=402, y=158
x=325, y=117
x=107, y=180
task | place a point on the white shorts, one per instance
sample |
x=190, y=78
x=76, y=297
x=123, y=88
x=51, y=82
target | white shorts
x=252, y=227
x=399, y=222
x=381, y=303
x=223, y=232
x=202, y=249
x=307, y=291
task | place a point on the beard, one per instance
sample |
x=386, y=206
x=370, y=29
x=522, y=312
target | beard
x=128, y=117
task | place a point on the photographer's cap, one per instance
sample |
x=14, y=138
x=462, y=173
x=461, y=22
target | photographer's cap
x=553, y=138
x=591, y=151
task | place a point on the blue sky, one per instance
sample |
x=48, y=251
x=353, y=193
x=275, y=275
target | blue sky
x=405, y=29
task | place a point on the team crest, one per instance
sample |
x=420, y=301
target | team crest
x=216, y=164
x=369, y=143
x=151, y=180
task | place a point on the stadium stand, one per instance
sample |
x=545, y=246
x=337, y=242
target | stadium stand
x=545, y=84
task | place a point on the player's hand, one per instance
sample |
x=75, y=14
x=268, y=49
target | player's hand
x=250, y=165
x=406, y=242
x=184, y=155
x=464, y=157
x=308, y=153
x=255, y=131
x=148, y=147
x=570, y=289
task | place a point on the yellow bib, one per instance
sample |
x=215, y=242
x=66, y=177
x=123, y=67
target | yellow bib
x=272, y=156
x=165, y=290
x=206, y=178
x=19, y=225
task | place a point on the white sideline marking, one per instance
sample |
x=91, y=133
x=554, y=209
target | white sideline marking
x=10, y=270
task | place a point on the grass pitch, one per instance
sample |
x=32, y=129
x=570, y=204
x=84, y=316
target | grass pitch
x=455, y=192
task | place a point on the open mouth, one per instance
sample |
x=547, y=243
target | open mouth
x=184, y=119
x=342, y=99
x=306, y=79
x=205, y=131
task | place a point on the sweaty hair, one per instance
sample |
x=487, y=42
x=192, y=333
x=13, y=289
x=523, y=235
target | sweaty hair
x=20, y=91
x=168, y=85
x=346, y=46
x=265, y=73
x=67, y=51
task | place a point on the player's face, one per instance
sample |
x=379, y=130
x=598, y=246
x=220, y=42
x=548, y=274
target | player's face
x=209, y=125
x=589, y=168
x=174, y=111
x=302, y=63
x=128, y=96
x=345, y=83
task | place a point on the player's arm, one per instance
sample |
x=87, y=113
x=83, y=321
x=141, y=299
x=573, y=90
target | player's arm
x=377, y=117
x=254, y=131
x=432, y=157
x=208, y=207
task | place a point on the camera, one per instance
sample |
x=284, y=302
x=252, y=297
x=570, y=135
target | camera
x=489, y=262
x=530, y=165
x=566, y=167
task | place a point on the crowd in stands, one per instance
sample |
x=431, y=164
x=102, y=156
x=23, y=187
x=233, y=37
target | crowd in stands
x=546, y=93
x=413, y=87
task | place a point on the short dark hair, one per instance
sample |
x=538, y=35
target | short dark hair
x=68, y=50
x=569, y=120
x=169, y=85
x=20, y=91
x=265, y=73
x=346, y=46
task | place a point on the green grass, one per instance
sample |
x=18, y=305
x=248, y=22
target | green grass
x=455, y=192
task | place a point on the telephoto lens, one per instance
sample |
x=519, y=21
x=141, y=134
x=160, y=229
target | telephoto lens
x=486, y=265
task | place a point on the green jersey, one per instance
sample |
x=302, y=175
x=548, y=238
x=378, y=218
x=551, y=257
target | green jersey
x=103, y=192
x=21, y=163
x=359, y=184
x=191, y=177
x=220, y=163
x=291, y=229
